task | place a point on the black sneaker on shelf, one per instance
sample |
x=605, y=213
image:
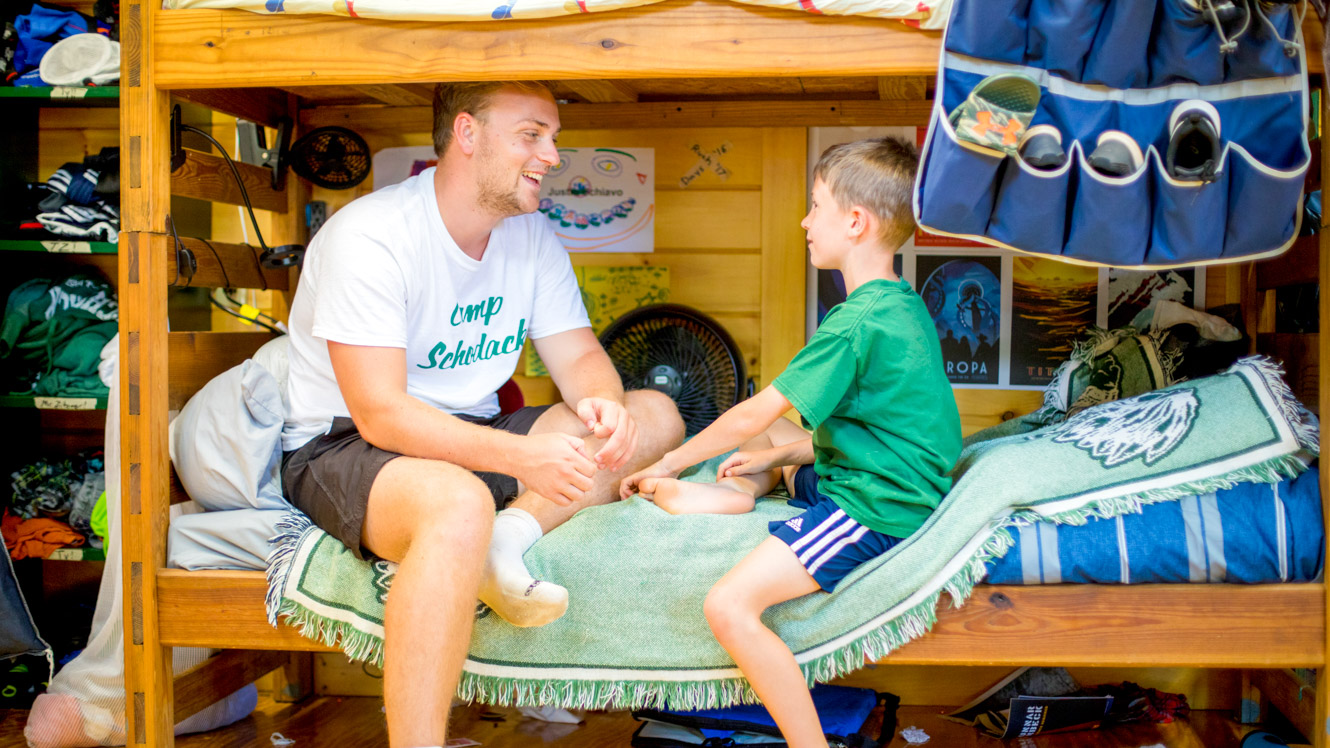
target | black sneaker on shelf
x=1041, y=147
x=1116, y=154
x=1194, y=149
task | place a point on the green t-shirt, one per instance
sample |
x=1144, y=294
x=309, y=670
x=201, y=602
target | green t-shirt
x=870, y=383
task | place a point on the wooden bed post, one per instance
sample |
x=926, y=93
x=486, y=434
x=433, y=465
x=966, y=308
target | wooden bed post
x=1321, y=725
x=144, y=462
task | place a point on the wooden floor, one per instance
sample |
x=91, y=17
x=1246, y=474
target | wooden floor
x=357, y=722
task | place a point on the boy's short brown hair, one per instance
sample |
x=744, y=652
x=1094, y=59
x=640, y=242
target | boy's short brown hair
x=451, y=99
x=877, y=173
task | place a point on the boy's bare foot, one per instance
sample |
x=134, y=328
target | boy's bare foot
x=681, y=497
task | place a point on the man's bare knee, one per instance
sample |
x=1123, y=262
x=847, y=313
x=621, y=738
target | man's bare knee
x=657, y=414
x=421, y=501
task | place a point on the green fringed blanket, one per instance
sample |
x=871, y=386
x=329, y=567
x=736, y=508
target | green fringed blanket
x=634, y=634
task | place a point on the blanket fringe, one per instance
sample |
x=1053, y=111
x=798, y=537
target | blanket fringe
x=281, y=559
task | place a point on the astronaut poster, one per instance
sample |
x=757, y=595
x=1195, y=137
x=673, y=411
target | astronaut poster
x=963, y=294
x=602, y=199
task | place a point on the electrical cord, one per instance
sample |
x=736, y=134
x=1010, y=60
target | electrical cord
x=244, y=193
x=213, y=298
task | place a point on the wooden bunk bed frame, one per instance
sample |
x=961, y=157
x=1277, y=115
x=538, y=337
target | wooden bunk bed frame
x=262, y=67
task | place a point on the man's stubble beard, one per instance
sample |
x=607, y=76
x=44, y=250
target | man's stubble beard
x=494, y=196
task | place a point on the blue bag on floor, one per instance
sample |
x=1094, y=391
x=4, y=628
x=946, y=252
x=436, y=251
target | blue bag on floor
x=854, y=717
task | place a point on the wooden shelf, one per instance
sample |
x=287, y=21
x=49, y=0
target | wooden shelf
x=58, y=246
x=53, y=403
x=86, y=553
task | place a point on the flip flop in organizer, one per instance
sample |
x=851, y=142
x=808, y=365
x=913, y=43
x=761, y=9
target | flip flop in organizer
x=1130, y=133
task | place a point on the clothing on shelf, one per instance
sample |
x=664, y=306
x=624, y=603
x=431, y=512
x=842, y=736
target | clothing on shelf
x=52, y=335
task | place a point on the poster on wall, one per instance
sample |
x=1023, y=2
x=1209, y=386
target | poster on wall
x=1052, y=305
x=963, y=294
x=1125, y=293
x=608, y=293
x=602, y=199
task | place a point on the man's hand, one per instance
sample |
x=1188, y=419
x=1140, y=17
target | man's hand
x=609, y=420
x=629, y=486
x=746, y=463
x=556, y=466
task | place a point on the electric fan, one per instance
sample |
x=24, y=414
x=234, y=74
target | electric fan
x=331, y=157
x=681, y=352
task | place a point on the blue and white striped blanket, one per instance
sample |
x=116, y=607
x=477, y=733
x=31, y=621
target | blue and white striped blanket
x=1252, y=533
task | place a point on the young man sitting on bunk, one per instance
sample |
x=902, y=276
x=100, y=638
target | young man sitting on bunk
x=886, y=431
x=411, y=313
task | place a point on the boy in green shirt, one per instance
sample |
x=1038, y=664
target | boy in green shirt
x=886, y=432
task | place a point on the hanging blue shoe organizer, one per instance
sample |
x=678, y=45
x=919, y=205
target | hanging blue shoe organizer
x=1122, y=65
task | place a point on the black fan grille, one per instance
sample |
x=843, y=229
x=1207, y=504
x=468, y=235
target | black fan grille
x=710, y=371
x=332, y=157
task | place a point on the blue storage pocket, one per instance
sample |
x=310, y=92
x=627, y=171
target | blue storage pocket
x=958, y=183
x=1110, y=216
x=1030, y=212
x=1188, y=216
x=1184, y=48
x=1119, y=57
x=1063, y=36
x=1258, y=198
x=991, y=29
x=1260, y=54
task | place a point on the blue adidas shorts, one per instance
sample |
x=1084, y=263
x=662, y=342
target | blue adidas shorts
x=827, y=541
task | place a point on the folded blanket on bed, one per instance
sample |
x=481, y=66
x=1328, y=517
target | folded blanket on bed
x=1253, y=533
x=634, y=635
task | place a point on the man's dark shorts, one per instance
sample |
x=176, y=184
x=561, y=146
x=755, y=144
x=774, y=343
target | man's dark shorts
x=330, y=476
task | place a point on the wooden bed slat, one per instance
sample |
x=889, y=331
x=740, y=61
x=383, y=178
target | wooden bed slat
x=221, y=675
x=837, y=113
x=222, y=265
x=1227, y=625
x=196, y=357
x=1182, y=625
x=207, y=177
x=194, y=602
x=698, y=38
x=265, y=106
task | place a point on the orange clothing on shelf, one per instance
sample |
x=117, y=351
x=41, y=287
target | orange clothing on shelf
x=37, y=537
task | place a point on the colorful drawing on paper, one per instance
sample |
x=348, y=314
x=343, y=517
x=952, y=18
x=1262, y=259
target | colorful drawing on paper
x=964, y=296
x=1052, y=306
x=602, y=199
x=1130, y=291
x=608, y=293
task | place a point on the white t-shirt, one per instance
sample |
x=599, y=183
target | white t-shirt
x=384, y=272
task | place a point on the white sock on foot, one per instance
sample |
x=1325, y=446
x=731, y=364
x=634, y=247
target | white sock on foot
x=508, y=588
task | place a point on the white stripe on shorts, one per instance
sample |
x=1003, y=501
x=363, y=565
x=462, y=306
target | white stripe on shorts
x=833, y=550
x=812, y=534
x=828, y=538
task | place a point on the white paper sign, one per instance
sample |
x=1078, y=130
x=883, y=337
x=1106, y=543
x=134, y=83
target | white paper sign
x=602, y=199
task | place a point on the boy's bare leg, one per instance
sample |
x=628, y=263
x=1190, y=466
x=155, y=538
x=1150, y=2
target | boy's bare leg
x=729, y=495
x=434, y=520
x=507, y=586
x=770, y=574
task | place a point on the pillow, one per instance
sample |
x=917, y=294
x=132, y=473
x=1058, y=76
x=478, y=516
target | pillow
x=272, y=356
x=226, y=442
x=237, y=539
x=1252, y=533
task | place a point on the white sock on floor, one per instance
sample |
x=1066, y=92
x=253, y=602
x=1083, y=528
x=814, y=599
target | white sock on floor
x=508, y=588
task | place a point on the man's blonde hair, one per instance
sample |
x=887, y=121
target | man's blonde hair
x=877, y=173
x=452, y=99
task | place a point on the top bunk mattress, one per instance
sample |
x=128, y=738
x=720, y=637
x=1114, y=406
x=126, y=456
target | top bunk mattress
x=928, y=14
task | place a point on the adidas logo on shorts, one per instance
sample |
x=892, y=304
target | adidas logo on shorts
x=796, y=524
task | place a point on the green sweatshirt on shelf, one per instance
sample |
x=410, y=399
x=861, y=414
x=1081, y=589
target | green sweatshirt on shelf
x=52, y=336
